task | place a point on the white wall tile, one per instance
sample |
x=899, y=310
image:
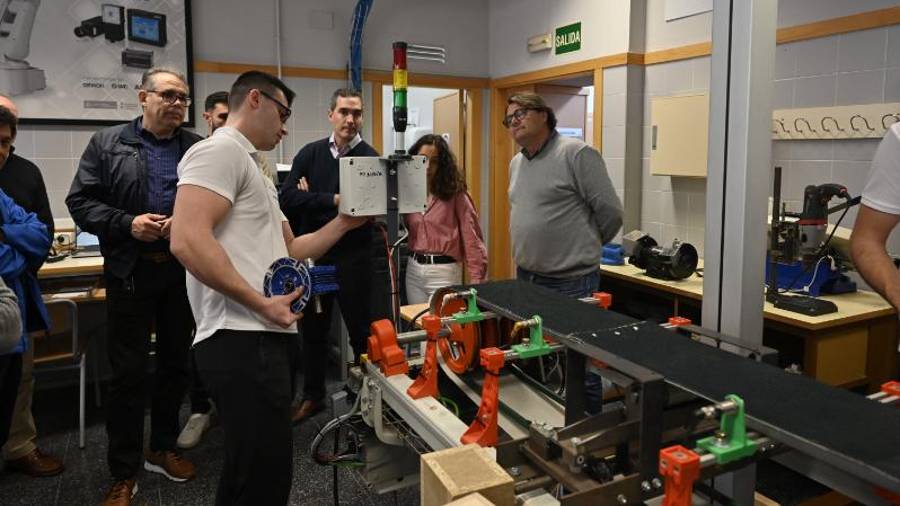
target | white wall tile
x=893, y=46
x=679, y=77
x=614, y=110
x=25, y=142
x=655, y=79
x=783, y=94
x=864, y=50
x=58, y=204
x=52, y=144
x=614, y=141
x=860, y=87
x=615, y=80
x=672, y=232
x=785, y=61
x=856, y=149
x=816, y=91
x=812, y=150
x=802, y=173
x=57, y=173
x=781, y=150
x=697, y=210
x=654, y=183
x=650, y=206
x=816, y=56
x=892, y=85
x=853, y=175
x=700, y=69
x=696, y=237
x=616, y=169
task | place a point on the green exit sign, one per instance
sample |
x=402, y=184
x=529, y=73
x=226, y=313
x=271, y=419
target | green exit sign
x=568, y=38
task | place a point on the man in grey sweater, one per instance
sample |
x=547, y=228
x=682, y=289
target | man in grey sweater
x=563, y=208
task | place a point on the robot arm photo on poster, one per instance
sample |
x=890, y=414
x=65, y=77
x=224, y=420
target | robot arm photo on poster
x=17, y=76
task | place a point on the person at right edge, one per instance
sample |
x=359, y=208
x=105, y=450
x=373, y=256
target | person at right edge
x=309, y=198
x=878, y=217
x=563, y=209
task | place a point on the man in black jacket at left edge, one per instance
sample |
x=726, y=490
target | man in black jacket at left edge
x=124, y=192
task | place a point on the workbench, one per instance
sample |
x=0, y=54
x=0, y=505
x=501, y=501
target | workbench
x=854, y=347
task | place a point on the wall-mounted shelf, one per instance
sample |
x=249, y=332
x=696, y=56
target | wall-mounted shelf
x=869, y=121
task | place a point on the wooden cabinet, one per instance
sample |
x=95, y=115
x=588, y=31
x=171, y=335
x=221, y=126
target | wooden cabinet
x=679, y=135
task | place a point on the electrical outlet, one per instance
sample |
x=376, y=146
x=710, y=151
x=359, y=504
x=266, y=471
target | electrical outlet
x=64, y=240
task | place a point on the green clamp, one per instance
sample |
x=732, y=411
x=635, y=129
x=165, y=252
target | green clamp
x=472, y=313
x=731, y=442
x=536, y=346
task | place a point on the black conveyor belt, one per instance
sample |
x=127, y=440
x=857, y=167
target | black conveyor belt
x=855, y=434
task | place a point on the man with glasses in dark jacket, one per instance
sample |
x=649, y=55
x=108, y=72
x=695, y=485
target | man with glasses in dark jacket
x=124, y=192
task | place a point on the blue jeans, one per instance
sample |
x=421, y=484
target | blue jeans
x=578, y=287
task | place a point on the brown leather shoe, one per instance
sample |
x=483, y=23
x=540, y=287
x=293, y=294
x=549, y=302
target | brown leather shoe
x=36, y=464
x=120, y=493
x=305, y=410
x=169, y=464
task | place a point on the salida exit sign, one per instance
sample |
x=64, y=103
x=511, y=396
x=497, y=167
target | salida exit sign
x=568, y=38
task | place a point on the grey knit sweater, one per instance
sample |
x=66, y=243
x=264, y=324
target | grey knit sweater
x=563, y=208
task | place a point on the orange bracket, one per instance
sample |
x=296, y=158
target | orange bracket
x=426, y=385
x=384, y=351
x=680, y=467
x=604, y=300
x=483, y=429
x=679, y=321
x=891, y=388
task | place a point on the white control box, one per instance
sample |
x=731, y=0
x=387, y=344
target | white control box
x=363, y=182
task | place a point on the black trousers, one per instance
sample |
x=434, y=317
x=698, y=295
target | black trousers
x=248, y=374
x=154, y=295
x=10, y=375
x=199, y=393
x=354, y=273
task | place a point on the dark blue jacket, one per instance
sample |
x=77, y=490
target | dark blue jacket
x=110, y=189
x=23, y=249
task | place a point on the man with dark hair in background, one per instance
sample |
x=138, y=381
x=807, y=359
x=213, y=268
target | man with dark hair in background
x=235, y=231
x=124, y=192
x=310, y=197
x=21, y=180
x=215, y=111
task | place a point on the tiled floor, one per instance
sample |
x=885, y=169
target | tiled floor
x=86, y=478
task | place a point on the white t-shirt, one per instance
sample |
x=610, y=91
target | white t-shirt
x=251, y=232
x=882, y=191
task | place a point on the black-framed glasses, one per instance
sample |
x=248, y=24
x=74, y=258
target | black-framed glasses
x=171, y=97
x=284, y=112
x=517, y=115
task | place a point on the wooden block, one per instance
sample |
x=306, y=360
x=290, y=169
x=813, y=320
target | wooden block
x=475, y=499
x=454, y=473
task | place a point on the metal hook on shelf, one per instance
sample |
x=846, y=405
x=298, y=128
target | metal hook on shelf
x=889, y=115
x=836, y=124
x=781, y=123
x=864, y=120
x=811, y=129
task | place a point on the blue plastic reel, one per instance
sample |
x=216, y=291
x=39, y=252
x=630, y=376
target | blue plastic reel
x=284, y=276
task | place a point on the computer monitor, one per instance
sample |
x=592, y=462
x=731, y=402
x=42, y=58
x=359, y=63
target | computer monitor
x=147, y=27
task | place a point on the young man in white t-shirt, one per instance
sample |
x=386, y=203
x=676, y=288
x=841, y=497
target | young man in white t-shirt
x=878, y=215
x=229, y=229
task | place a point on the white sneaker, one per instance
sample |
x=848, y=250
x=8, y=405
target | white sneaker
x=193, y=430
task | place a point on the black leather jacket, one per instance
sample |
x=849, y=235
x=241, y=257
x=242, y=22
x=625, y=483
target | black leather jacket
x=109, y=190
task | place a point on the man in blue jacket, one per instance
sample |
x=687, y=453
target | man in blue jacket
x=24, y=243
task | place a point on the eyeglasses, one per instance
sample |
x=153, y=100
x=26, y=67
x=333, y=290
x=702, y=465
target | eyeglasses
x=171, y=97
x=517, y=115
x=284, y=112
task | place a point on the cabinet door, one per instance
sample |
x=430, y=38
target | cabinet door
x=679, y=135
